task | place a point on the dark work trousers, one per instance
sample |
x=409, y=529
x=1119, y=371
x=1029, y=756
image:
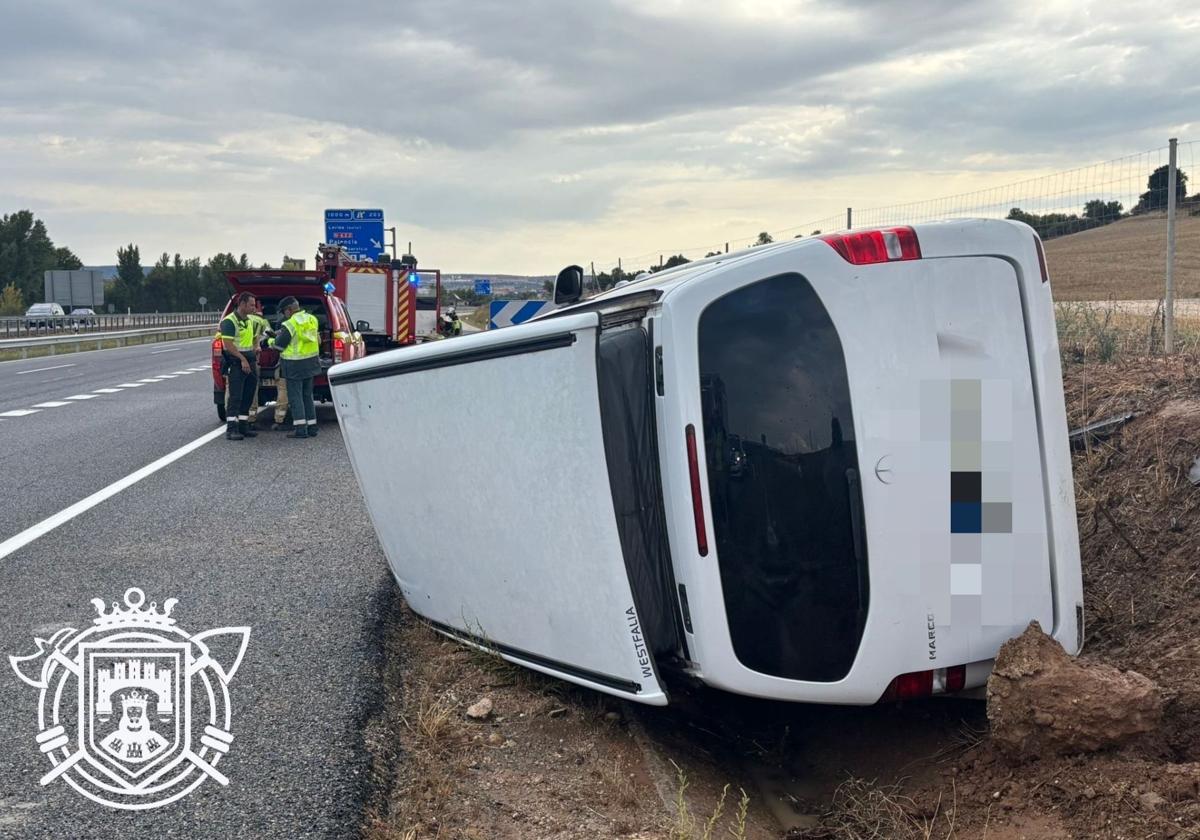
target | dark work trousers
x=300, y=398
x=241, y=386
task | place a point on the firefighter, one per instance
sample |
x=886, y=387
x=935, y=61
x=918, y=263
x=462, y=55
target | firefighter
x=237, y=346
x=298, y=343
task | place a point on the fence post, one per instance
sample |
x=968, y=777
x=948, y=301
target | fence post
x=1169, y=327
x=849, y=218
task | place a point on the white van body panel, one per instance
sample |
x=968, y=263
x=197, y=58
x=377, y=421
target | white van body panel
x=527, y=560
x=519, y=537
x=905, y=327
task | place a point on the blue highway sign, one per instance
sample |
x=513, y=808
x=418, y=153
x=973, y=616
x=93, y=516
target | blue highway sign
x=483, y=287
x=360, y=232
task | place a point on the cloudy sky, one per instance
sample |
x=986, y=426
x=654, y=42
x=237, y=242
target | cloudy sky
x=521, y=136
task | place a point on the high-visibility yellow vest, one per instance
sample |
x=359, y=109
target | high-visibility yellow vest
x=261, y=324
x=305, y=342
x=244, y=330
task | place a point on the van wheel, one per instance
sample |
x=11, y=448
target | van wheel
x=221, y=412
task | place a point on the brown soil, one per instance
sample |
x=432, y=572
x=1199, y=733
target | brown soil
x=549, y=761
x=1126, y=260
x=566, y=763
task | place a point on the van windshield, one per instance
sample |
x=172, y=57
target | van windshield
x=783, y=480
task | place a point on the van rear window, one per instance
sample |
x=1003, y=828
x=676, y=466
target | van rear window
x=783, y=480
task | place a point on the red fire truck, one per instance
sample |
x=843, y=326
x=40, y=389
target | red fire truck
x=393, y=303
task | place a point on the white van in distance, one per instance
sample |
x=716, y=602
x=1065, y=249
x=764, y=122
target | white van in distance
x=829, y=470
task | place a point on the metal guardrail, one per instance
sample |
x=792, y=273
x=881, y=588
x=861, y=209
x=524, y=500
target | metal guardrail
x=67, y=325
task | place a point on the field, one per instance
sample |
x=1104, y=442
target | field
x=1125, y=260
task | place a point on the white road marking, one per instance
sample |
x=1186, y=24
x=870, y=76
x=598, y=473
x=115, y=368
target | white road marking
x=130, y=385
x=168, y=350
x=204, y=367
x=39, y=370
x=108, y=391
x=183, y=372
x=20, y=412
x=51, y=404
x=65, y=515
x=81, y=397
x=165, y=376
x=150, y=381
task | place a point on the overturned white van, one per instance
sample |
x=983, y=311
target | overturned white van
x=831, y=470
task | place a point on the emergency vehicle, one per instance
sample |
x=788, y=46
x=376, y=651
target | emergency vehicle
x=361, y=307
x=830, y=470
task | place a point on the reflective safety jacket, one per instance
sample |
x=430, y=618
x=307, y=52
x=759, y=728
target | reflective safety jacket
x=242, y=331
x=303, y=341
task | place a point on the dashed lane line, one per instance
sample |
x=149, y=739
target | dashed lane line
x=39, y=370
x=82, y=397
x=50, y=404
x=107, y=391
x=19, y=412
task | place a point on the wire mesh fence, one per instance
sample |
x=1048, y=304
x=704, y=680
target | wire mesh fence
x=1105, y=232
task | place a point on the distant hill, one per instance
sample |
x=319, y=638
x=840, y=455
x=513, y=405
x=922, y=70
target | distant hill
x=1126, y=260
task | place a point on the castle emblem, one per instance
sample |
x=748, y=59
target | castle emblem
x=134, y=712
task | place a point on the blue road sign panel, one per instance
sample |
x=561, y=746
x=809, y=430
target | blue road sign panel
x=483, y=287
x=360, y=232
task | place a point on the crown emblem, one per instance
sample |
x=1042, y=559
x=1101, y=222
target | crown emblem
x=135, y=700
x=133, y=613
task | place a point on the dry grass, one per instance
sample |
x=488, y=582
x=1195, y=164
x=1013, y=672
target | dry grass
x=863, y=810
x=1125, y=260
x=1107, y=332
x=686, y=826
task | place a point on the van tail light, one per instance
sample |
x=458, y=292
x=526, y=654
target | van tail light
x=339, y=348
x=926, y=683
x=867, y=247
x=217, y=349
x=1041, y=259
x=697, y=497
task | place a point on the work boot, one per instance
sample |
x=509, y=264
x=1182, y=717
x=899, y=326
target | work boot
x=298, y=432
x=280, y=427
x=231, y=431
x=312, y=429
x=246, y=429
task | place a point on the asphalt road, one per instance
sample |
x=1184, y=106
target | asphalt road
x=268, y=533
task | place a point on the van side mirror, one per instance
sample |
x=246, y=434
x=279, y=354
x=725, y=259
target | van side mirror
x=568, y=286
x=362, y=326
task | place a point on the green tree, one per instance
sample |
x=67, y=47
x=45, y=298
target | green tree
x=213, y=284
x=10, y=300
x=1155, y=197
x=712, y=254
x=25, y=252
x=126, y=291
x=677, y=259
x=1102, y=211
x=764, y=238
x=66, y=260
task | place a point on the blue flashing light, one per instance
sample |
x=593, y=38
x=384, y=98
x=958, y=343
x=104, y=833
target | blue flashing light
x=329, y=288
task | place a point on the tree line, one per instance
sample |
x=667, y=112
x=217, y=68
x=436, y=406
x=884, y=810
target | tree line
x=1099, y=212
x=26, y=251
x=172, y=284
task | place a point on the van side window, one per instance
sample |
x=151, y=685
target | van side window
x=783, y=479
